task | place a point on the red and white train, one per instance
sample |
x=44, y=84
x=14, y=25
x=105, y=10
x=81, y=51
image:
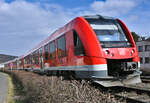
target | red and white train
x=93, y=47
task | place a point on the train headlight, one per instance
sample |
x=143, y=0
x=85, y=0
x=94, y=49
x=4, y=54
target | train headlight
x=107, y=51
x=132, y=51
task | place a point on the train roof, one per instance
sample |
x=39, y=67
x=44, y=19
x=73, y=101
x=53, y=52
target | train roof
x=98, y=17
x=64, y=29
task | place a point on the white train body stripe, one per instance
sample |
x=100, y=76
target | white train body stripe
x=139, y=64
x=101, y=67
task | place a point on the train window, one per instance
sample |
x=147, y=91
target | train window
x=78, y=46
x=141, y=60
x=61, y=46
x=27, y=59
x=30, y=58
x=36, y=57
x=46, y=51
x=147, y=47
x=52, y=50
x=147, y=60
x=140, y=48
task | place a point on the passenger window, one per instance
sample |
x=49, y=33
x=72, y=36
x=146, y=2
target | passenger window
x=61, y=46
x=78, y=47
x=46, y=51
x=36, y=57
x=52, y=50
x=31, y=58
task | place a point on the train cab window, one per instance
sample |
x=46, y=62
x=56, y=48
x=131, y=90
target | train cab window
x=52, y=50
x=46, y=51
x=109, y=33
x=78, y=46
x=61, y=46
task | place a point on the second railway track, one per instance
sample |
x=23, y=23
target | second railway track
x=139, y=93
x=133, y=94
x=145, y=79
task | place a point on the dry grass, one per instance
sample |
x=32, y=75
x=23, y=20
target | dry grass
x=52, y=89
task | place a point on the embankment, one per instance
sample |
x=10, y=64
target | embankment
x=34, y=88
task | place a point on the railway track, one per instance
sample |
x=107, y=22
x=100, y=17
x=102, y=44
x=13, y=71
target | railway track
x=130, y=93
x=145, y=79
x=133, y=94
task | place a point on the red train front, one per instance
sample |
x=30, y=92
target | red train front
x=110, y=50
x=96, y=47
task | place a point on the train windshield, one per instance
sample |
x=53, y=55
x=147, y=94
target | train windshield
x=109, y=33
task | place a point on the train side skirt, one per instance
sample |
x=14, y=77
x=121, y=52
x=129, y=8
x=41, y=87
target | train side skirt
x=130, y=79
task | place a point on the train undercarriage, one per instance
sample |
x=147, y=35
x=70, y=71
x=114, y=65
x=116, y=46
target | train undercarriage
x=121, y=72
x=114, y=73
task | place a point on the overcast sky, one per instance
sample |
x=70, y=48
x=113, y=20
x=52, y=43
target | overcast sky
x=24, y=23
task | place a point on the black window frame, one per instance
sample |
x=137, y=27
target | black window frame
x=52, y=51
x=78, y=45
x=46, y=51
x=37, y=57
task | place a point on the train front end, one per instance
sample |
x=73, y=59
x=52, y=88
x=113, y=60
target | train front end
x=118, y=51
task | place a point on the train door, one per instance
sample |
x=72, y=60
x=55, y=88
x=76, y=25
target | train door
x=41, y=57
x=79, y=54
